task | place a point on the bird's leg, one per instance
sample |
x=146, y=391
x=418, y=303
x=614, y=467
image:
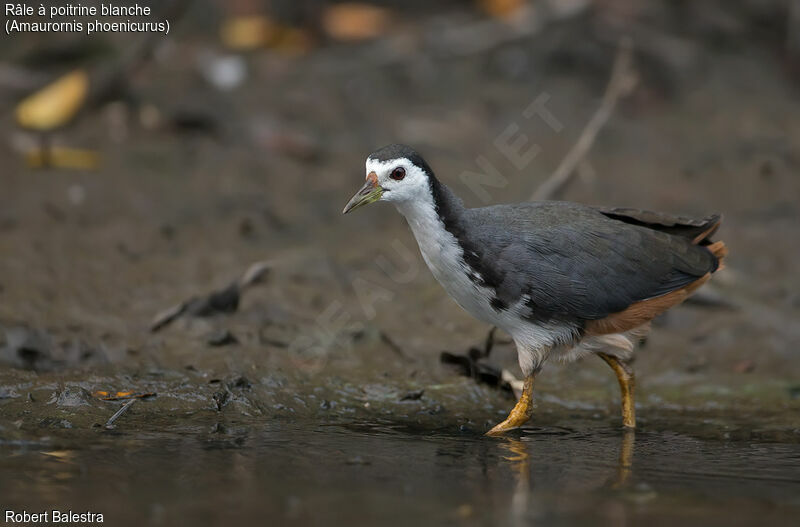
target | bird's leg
x=624, y=374
x=522, y=410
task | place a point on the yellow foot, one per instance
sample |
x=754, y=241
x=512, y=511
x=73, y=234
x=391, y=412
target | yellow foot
x=627, y=382
x=520, y=414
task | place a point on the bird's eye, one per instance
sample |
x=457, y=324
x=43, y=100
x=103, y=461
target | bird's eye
x=398, y=173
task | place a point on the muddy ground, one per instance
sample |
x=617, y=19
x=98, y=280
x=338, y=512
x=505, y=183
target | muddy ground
x=348, y=326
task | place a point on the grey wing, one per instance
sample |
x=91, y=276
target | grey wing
x=698, y=230
x=567, y=261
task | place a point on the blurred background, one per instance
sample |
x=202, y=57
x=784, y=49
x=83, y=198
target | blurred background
x=171, y=234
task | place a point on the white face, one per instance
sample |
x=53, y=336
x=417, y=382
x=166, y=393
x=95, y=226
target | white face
x=412, y=187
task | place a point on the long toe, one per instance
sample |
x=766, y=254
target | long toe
x=520, y=413
x=506, y=426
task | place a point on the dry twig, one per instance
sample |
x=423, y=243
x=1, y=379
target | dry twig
x=223, y=301
x=621, y=83
x=118, y=413
x=793, y=29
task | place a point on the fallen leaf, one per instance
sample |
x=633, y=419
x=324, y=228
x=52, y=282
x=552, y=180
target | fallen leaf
x=65, y=455
x=59, y=157
x=471, y=366
x=516, y=384
x=246, y=33
x=55, y=104
x=352, y=21
x=118, y=396
x=501, y=8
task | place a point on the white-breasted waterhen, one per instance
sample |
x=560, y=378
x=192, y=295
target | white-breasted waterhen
x=562, y=279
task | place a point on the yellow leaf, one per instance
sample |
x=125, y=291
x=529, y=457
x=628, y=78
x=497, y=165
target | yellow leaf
x=501, y=8
x=60, y=454
x=55, y=104
x=59, y=157
x=352, y=21
x=244, y=33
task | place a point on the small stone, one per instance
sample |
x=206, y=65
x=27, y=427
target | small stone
x=73, y=396
x=414, y=395
x=8, y=393
x=240, y=382
x=53, y=422
x=222, y=338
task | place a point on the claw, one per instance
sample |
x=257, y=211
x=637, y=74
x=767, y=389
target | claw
x=520, y=414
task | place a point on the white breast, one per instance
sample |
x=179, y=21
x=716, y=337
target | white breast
x=444, y=258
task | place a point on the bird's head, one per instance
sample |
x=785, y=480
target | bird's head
x=395, y=173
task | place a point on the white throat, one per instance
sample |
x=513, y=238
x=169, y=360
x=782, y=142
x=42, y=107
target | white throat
x=422, y=217
x=439, y=248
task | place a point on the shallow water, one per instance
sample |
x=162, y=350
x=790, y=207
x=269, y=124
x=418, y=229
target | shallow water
x=292, y=473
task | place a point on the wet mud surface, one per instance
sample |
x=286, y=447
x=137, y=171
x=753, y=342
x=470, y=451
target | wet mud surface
x=321, y=398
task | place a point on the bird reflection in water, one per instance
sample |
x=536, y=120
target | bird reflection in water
x=518, y=453
x=520, y=461
x=625, y=464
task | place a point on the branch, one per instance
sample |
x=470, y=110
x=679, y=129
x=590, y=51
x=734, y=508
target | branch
x=222, y=301
x=621, y=83
x=793, y=28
